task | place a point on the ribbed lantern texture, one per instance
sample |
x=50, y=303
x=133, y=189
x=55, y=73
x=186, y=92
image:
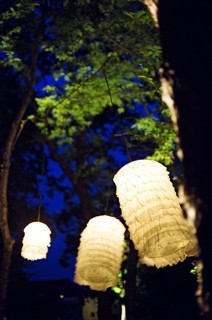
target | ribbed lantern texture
x=36, y=241
x=151, y=209
x=100, y=253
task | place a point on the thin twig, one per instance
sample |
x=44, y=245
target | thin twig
x=118, y=118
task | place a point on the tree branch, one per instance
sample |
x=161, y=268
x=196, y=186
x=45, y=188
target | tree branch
x=78, y=185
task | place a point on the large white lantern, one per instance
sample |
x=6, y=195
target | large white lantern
x=151, y=209
x=36, y=241
x=100, y=253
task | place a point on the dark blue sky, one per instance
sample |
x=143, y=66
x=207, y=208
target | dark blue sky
x=50, y=268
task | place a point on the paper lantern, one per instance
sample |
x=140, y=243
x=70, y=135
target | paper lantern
x=100, y=253
x=151, y=209
x=36, y=241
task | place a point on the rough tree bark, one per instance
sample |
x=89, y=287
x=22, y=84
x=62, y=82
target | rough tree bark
x=8, y=241
x=186, y=77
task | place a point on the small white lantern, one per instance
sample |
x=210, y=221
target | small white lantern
x=36, y=241
x=151, y=209
x=100, y=253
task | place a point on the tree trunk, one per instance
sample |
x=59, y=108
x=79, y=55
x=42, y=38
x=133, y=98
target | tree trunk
x=104, y=305
x=4, y=275
x=186, y=29
x=8, y=242
x=131, y=283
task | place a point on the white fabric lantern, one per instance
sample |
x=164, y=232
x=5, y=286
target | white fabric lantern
x=36, y=241
x=100, y=253
x=151, y=209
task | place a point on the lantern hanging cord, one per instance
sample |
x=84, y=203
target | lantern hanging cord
x=42, y=174
x=118, y=118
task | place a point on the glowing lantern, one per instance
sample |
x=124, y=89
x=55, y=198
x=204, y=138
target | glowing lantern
x=36, y=241
x=153, y=214
x=100, y=253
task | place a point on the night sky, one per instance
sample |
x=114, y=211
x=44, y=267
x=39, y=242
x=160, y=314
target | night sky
x=50, y=268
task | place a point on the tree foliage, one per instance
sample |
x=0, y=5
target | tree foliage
x=92, y=60
x=95, y=100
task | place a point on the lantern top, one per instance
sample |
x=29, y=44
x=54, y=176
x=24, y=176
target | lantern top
x=38, y=226
x=104, y=222
x=143, y=165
